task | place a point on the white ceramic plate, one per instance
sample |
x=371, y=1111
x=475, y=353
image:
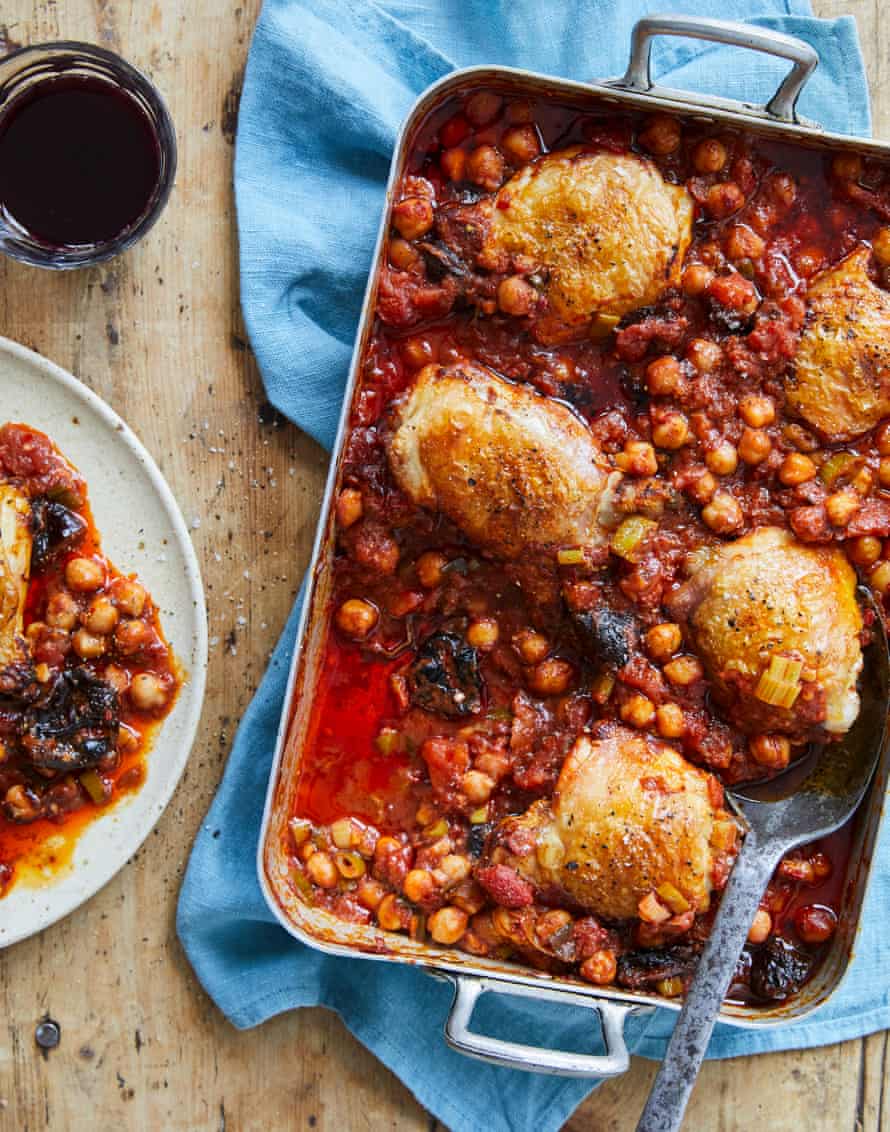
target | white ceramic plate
x=142, y=530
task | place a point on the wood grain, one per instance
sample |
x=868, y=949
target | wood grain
x=158, y=334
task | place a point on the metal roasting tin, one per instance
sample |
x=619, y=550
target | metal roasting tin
x=472, y=976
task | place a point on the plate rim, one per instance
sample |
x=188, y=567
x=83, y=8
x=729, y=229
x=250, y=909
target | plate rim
x=196, y=674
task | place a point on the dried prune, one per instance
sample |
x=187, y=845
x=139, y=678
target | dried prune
x=445, y=678
x=54, y=527
x=74, y=724
x=642, y=969
x=611, y=636
x=779, y=969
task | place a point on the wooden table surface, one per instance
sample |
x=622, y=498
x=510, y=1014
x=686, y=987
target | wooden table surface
x=158, y=333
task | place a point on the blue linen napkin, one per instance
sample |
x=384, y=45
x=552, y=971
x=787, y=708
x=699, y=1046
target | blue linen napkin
x=327, y=84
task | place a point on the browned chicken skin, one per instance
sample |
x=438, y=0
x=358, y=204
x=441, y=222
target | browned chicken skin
x=629, y=816
x=767, y=595
x=514, y=470
x=840, y=381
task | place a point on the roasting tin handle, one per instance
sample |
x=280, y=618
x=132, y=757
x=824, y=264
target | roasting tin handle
x=516, y=1055
x=805, y=59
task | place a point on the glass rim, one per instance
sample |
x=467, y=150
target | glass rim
x=15, y=70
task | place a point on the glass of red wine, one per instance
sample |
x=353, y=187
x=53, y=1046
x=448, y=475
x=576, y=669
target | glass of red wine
x=87, y=155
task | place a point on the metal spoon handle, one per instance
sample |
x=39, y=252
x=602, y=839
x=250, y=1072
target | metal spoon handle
x=686, y=1050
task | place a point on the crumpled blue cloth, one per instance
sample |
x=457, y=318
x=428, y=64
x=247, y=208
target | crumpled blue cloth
x=327, y=84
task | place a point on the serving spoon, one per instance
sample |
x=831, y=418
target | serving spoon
x=813, y=798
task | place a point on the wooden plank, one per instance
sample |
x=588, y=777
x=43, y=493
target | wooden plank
x=158, y=333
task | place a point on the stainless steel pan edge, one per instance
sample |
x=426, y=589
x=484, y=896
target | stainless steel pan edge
x=473, y=977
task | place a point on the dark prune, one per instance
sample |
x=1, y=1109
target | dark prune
x=444, y=678
x=610, y=635
x=54, y=527
x=74, y=724
x=638, y=970
x=779, y=969
x=476, y=838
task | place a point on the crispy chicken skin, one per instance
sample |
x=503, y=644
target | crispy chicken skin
x=605, y=230
x=513, y=469
x=767, y=595
x=840, y=381
x=15, y=564
x=629, y=815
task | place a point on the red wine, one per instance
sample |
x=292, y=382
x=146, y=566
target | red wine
x=79, y=161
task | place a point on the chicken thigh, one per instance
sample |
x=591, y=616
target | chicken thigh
x=777, y=625
x=630, y=816
x=606, y=233
x=15, y=563
x=515, y=470
x=840, y=381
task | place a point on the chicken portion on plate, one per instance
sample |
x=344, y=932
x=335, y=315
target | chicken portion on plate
x=15, y=565
x=630, y=821
x=840, y=380
x=513, y=469
x=605, y=233
x=777, y=626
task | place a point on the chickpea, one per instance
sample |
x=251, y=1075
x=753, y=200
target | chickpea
x=663, y=376
x=761, y=926
x=881, y=246
x=357, y=618
x=349, y=507
x=516, y=296
x=696, y=279
x=322, y=870
x=882, y=439
x=879, y=578
x=453, y=868
x=842, y=505
x=661, y=135
x=637, y=459
x=21, y=803
x=735, y=292
x=722, y=460
x=84, y=575
x=369, y=893
x=477, y=786
x=483, y=634
x=532, y=647
x=704, y=354
x=808, y=260
x=102, y=616
x=453, y=163
x=756, y=410
x=550, y=677
x=684, y=670
x=86, y=645
x=448, y=924
x=61, y=611
x=429, y=567
x=485, y=167
x=724, y=199
x=865, y=551
x=148, y=692
x=755, y=445
x=483, y=107
x=723, y=514
x=671, y=432
x=403, y=256
x=815, y=923
x=392, y=914
x=773, y=751
x=884, y=471
x=702, y=489
x=133, y=636
x=663, y=640
x=599, y=968
x=847, y=166
x=744, y=243
x=638, y=711
x=709, y=156
x=796, y=469
x=418, y=351
x=521, y=144
x=118, y=678
x=413, y=217
x=129, y=596
x=670, y=721
x=418, y=885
